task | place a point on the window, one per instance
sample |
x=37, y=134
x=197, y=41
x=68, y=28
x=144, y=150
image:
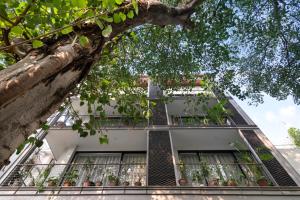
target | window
x=127, y=169
x=219, y=168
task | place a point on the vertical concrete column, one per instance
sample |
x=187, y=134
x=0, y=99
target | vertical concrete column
x=160, y=159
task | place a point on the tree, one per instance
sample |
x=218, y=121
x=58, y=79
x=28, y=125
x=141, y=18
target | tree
x=294, y=133
x=62, y=48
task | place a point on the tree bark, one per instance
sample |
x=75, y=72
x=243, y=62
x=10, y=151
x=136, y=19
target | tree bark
x=32, y=89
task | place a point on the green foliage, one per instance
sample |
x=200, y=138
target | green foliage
x=106, y=32
x=294, y=133
x=218, y=113
x=72, y=176
x=84, y=41
x=243, y=47
x=30, y=140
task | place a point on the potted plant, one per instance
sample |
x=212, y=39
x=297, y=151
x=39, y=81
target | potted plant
x=231, y=182
x=71, y=177
x=88, y=168
x=112, y=180
x=197, y=178
x=98, y=183
x=126, y=183
x=182, y=181
x=52, y=181
x=205, y=170
x=138, y=182
x=262, y=181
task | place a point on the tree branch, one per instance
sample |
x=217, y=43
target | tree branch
x=22, y=15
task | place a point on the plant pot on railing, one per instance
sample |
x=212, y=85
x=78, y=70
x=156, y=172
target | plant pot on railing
x=70, y=179
x=213, y=182
x=52, y=182
x=98, y=183
x=231, y=182
x=126, y=183
x=113, y=180
x=183, y=182
x=138, y=183
x=262, y=182
x=68, y=183
x=87, y=183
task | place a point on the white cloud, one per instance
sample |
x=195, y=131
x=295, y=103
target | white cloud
x=288, y=111
x=270, y=116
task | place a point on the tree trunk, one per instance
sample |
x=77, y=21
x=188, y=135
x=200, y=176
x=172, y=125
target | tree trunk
x=32, y=89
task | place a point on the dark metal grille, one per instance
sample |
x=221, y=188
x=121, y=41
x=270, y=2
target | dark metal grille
x=277, y=171
x=236, y=116
x=161, y=168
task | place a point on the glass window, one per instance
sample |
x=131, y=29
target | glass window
x=219, y=168
x=101, y=168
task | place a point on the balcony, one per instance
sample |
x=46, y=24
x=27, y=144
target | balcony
x=67, y=121
x=197, y=121
x=93, y=174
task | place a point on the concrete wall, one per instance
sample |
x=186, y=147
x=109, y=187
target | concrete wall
x=292, y=155
x=168, y=195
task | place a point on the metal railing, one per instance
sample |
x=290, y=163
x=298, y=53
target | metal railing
x=77, y=175
x=198, y=121
x=66, y=121
x=225, y=174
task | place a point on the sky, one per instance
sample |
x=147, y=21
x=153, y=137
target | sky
x=274, y=118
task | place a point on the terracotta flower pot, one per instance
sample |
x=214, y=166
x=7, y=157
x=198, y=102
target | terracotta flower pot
x=213, y=182
x=182, y=182
x=99, y=183
x=231, y=182
x=262, y=182
x=112, y=183
x=126, y=183
x=51, y=183
x=68, y=183
x=137, y=183
x=86, y=183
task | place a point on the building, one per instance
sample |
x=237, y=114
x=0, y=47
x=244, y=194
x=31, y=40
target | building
x=177, y=154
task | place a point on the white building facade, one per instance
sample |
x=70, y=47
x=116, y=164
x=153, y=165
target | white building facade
x=177, y=154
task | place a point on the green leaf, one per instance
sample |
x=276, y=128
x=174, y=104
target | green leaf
x=37, y=44
x=107, y=19
x=38, y=143
x=107, y=31
x=117, y=18
x=79, y=3
x=92, y=132
x=119, y=2
x=84, y=41
x=83, y=133
x=135, y=6
x=67, y=30
x=99, y=23
x=17, y=30
x=103, y=139
x=130, y=14
x=122, y=16
x=20, y=148
x=45, y=126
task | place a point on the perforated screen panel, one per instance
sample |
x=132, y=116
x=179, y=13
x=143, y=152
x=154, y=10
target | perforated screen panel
x=277, y=171
x=160, y=163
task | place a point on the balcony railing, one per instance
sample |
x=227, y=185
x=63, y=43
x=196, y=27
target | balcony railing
x=77, y=175
x=228, y=174
x=191, y=121
x=66, y=121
